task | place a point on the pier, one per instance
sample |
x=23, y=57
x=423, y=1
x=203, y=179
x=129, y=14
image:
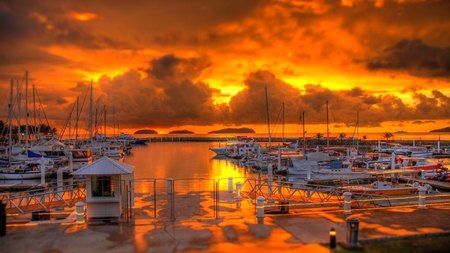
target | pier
x=363, y=145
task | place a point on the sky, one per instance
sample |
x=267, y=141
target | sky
x=205, y=65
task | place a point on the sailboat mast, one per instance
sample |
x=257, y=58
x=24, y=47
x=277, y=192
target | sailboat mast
x=19, y=101
x=10, y=119
x=26, y=111
x=104, y=117
x=76, y=123
x=357, y=131
x=34, y=111
x=328, y=132
x=283, y=125
x=114, y=121
x=303, y=123
x=268, y=117
x=90, y=114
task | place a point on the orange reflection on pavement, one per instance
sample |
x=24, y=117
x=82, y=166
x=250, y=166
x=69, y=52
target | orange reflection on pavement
x=140, y=242
x=402, y=210
x=75, y=228
x=429, y=230
x=332, y=217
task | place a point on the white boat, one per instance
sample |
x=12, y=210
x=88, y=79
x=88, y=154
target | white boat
x=339, y=170
x=28, y=171
x=220, y=150
x=312, y=161
x=415, y=151
x=243, y=147
x=384, y=188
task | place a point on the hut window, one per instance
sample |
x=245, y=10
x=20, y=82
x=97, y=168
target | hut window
x=102, y=187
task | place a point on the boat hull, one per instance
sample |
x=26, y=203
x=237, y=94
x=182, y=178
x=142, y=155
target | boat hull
x=390, y=192
x=4, y=175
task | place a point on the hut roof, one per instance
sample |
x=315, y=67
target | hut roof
x=105, y=166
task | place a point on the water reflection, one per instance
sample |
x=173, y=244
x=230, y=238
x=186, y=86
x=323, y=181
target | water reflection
x=181, y=160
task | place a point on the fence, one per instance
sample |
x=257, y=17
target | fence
x=201, y=198
x=44, y=199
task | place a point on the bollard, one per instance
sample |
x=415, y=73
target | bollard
x=332, y=238
x=230, y=184
x=238, y=190
x=260, y=207
x=347, y=202
x=422, y=191
x=352, y=233
x=80, y=212
x=169, y=185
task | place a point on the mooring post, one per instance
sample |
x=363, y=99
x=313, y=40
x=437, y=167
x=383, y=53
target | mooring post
x=169, y=185
x=260, y=206
x=422, y=191
x=79, y=206
x=238, y=190
x=230, y=184
x=347, y=202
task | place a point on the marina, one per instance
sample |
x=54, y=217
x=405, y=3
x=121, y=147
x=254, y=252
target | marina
x=225, y=126
x=195, y=161
x=186, y=181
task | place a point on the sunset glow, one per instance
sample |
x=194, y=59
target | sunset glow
x=203, y=66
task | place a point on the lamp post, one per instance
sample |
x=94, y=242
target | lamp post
x=332, y=238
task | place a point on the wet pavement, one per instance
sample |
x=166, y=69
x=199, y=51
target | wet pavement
x=301, y=232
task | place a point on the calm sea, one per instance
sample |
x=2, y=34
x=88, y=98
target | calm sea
x=181, y=160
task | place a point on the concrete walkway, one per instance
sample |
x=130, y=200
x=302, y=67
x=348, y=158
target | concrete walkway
x=275, y=233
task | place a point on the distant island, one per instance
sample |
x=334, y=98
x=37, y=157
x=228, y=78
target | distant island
x=146, y=131
x=442, y=130
x=233, y=130
x=181, y=132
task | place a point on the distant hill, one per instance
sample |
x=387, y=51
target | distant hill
x=442, y=130
x=181, y=132
x=233, y=130
x=145, y=131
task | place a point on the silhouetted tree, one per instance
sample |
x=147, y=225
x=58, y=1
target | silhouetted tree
x=387, y=135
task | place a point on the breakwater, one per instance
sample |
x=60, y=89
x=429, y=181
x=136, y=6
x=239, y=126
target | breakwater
x=363, y=145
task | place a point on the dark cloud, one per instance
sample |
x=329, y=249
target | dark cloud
x=169, y=67
x=414, y=57
x=61, y=101
x=166, y=98
x=422, y=122
x=44, y=23
x=29, y=56
x=81, y=87
x=370, y=100
x=356, y=92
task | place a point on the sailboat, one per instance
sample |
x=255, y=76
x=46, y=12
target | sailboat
x=23, y=169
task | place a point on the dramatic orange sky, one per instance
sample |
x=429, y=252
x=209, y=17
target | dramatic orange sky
x=204, y=65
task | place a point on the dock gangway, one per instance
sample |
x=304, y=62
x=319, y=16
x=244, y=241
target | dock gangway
x=44, y=198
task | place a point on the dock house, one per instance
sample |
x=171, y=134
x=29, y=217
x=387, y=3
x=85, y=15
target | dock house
x=108, y=184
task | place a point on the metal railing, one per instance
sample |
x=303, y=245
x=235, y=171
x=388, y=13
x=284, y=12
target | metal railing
x=45, y=198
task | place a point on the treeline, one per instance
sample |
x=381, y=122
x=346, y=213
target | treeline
x=32, y=131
